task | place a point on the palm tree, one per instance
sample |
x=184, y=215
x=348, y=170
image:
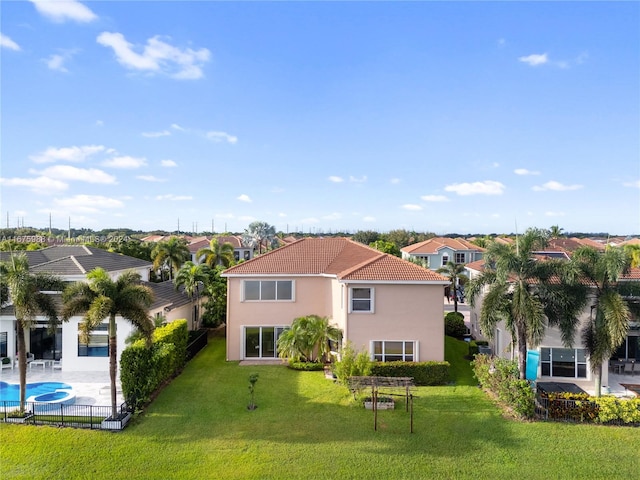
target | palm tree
x=609, y=319
x=633, y=250
x=525, y=293
x=26, y=291
x=454, y=272
x=103, y=298
x=191, y=276
x=308, y=339
x=258, y=233
x=217, y=253
x=170, y=254
x=556, y=231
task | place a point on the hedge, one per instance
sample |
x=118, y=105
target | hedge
x=143, y=370
x=423, y=373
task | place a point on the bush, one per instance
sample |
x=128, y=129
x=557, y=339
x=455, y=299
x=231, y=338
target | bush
x=352, y=363
x=143, y=370
x=454, y=325
x=612, y=409
x=502, y=378
x=423, y=373
x=306, y=366
x=578, y=407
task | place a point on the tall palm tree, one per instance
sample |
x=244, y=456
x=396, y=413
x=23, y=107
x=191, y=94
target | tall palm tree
x=26, y=292
x=170, y=254
x=454, y=272
x=103, y=298
x=217, y=253
x=191, y=276
x=258, y=233
x=609, y=320
x=525, y=293
x=308, y=339
x=556, y=231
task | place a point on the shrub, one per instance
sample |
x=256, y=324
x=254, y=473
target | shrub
x=611, y=409
x=143, y=370
x=352, y=363
x=423, y=373
x=306, y=366
x=454, y=325
x=577, y=407
x=502, y=378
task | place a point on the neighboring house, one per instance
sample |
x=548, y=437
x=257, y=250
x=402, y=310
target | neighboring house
x=72, y=263
x=240, y=251
x=438, y=251
x=557, y=362
x=387, y=306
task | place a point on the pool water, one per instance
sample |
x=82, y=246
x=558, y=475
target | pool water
x=10, y=392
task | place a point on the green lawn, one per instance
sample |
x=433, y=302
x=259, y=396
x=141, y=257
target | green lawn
x=308, y=427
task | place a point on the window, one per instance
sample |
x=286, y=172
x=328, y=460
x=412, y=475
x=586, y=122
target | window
x=98, y=345
x=445, y=260
x=460, y=258
x=361, y=300
x=247, y=255
x=564, y=362
x=3, y=344
x=261, y=342
x=263, y=290
x=236, y=255
x=393, y=351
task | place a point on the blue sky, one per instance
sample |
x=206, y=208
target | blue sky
x=467, y=117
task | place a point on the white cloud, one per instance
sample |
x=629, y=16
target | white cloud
x=277, y=190
x=221, y=137
x=554, y=214
x=336, y=179
x=332, y=216
x=88, y=203
x=434, y=198
x=56, y=61
x=157, y=56
x=362, y=179
x=168, y=163
x=556, y=186
x=368, y=219
x=171, y=196
x=394, y=181
x=412, y=207
x=488, y=187
x=58, y=11
x=502, y=42
x=535, y=59
x=163, y=133
x=244, y=198
x=634, y=184
x=125, y=162
x=68, y=172
x=151, y=178
x=68, y=154
x=524, y=171
x=99, y=123
x=40, y=185
x=6, y=42
x=175, y=126
x=282, y=215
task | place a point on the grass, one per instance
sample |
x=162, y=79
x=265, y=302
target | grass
x=306, y=426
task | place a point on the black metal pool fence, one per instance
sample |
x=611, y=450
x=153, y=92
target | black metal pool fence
x=95, y=417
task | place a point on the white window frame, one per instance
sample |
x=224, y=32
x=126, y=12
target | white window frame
x=278, y=330
x=276, y=299
x=97, y=337
x=383, y=355
x=445, y=260
x=371, y=300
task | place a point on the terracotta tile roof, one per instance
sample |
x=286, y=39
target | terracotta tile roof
x=634, y=274
x=631, y=241
x=344, y=258
x=478, y=265
x=432, y=245
x=590, y=243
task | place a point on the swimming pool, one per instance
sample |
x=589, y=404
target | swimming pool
x=39, y=392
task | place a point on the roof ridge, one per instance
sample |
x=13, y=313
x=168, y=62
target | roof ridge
x=362, y=264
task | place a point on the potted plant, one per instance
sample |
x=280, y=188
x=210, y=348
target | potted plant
x=18, y=416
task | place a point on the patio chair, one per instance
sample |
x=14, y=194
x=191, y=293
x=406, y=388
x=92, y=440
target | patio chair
x=6, y=363
x=629, y=367
x=56, y=365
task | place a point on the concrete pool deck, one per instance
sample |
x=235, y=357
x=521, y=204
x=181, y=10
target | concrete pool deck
x=91, y=388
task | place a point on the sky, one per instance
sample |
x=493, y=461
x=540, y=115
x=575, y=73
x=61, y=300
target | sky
x=319, y=117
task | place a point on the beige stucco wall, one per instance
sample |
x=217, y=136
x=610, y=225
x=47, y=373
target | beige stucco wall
x=402, y=312
x=312, y=296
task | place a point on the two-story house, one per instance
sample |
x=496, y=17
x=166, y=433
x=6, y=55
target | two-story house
x=385, y=305
x=437, y=251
